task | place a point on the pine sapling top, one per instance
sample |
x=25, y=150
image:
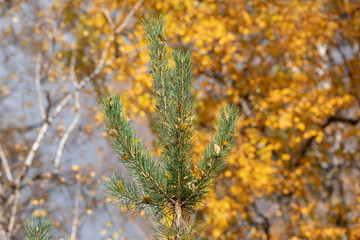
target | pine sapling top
x=170, y=187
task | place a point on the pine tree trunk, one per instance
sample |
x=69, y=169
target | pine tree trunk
x=178, y=219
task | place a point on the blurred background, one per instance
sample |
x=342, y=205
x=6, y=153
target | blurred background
x=291, y=66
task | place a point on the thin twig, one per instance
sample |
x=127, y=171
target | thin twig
x=36, y=144
x=75, y=121
x=14, y=210
x=107, y=15
x=38, y=86
x=128, y=17
x=6, y=165
x=120, y=12
x=76, y=207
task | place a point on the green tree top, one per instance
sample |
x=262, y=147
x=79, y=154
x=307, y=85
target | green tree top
x=169, y=188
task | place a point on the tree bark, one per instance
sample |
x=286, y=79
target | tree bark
x=178, y=220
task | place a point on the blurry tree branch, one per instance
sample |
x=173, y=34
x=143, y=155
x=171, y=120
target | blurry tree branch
x=128, y=17
x=76, y=118
x=49, y=118
x=332, y=119
x=76, y=207
x=265, y=221
x=5, y=165
x=38, y=86
x=107, y=15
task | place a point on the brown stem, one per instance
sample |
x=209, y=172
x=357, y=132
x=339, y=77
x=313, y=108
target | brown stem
x=178, y=219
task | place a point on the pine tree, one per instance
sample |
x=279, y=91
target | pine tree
x=169, y=188
x=38, y=229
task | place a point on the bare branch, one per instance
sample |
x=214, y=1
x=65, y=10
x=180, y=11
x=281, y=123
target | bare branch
x=45, y=126
x=14, y=210
x=265, y=221
x=76, y=119
x=61, y=105
x=66, y=99
x=6, y=165
x=331, y=119
x=36, y=144
x=128, y=17
x=341, y=119
x=107, y=15
x=76, y=207
x=38, y=86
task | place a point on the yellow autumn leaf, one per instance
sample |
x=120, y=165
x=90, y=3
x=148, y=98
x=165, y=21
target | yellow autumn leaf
x=285, y=157
x=75, y=168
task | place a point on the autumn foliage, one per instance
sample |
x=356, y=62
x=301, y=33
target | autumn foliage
x=293, y=69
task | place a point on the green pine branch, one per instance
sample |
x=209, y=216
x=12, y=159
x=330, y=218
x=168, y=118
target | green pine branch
x=213, y=160
x=131, y=151
x=169, y=188
x=128, y=195
x=38, y=229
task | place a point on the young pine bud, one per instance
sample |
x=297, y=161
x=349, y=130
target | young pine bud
x=146, y=199
x=113, y=133
x=161, y=38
